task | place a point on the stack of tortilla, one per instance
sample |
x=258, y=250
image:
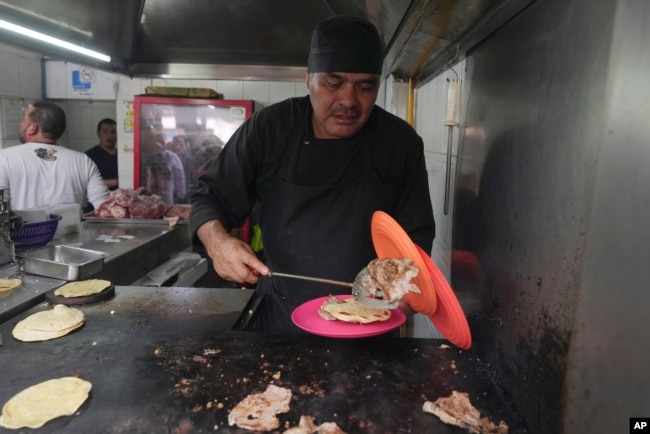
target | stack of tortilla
x=49, y=324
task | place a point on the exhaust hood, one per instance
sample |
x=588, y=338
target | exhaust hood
x=243, y=39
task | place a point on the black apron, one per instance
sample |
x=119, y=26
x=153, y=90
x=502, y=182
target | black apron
x=315, y=231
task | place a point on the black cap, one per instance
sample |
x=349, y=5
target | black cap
x=345, y=44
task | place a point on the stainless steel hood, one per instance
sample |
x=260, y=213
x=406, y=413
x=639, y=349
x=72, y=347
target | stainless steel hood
x=243, y=39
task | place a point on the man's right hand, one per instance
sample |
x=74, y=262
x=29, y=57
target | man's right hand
x=232, y=258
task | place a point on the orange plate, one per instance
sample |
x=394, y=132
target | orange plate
x=449, y=317
x=391, y=241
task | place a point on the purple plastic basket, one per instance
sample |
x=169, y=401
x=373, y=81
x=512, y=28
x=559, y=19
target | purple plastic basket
x=33, y=235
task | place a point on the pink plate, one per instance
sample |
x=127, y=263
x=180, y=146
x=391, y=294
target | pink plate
x=306, y=317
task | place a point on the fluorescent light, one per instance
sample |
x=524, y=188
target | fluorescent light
x=54, y=41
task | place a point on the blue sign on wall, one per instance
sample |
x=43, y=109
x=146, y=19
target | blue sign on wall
x=80, y=82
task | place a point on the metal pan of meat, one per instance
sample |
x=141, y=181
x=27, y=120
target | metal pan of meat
x=130, y=206
x=174, y=214
x=165, y=221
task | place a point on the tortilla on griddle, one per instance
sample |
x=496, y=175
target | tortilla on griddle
x=82, y=288
x=457, y=410
x=49, y=324
x=8, y=285
x=257, y=412
x=349, y=310
x=35, y=406
x=308, y=426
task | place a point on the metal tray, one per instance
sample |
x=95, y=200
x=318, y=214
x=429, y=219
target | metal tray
x=111, y=220
x=63, y=262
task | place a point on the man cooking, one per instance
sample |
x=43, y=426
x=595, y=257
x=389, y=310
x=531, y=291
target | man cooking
x=319, y=165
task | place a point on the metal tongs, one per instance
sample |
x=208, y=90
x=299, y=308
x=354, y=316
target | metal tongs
x=359, y=291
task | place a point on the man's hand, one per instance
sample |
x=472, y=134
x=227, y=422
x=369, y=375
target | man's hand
x=232, y=258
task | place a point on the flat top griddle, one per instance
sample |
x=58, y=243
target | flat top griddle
x=164, y=360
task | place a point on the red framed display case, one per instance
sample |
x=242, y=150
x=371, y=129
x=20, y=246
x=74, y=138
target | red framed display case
x=205, y=124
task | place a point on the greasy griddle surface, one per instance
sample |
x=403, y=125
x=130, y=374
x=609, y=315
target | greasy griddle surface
x=374, y=385
x=162, y=362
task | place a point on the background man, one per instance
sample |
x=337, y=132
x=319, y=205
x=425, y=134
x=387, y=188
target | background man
x=39, y=172
x=105, y=153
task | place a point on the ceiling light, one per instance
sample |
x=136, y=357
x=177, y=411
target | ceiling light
x=51, y=21
x=54, y=41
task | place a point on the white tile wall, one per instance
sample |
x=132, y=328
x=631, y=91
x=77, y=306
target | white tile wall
x=231, y=89
x=208, y=84
x=125, y=139
x=83, y=116
x=256, y=90
x=9, y=77
x=20, y=84
x=165, y=82
x=283, y=90
x=29, y=77
x=127, y=86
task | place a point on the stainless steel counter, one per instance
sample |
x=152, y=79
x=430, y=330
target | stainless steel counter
x=131, y=251
x=29, y=294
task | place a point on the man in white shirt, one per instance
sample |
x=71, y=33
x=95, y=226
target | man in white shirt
x=39, y=172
